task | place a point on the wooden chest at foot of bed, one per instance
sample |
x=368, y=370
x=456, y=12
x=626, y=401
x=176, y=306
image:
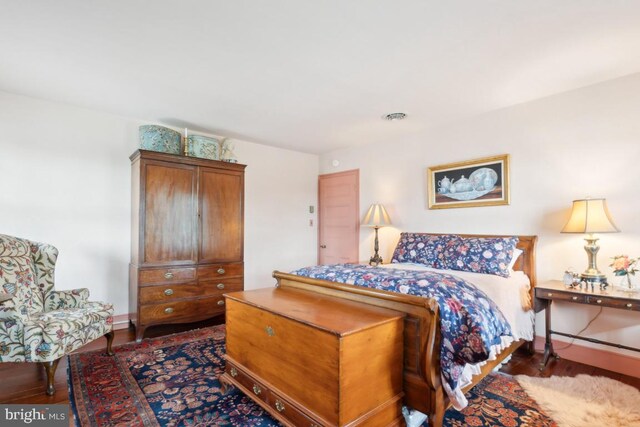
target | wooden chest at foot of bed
x=315, y=360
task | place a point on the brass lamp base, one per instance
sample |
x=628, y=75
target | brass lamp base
x=376, y=259
x=592, y=275
x=598, y=279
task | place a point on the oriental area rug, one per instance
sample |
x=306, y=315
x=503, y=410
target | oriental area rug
x=173, y=381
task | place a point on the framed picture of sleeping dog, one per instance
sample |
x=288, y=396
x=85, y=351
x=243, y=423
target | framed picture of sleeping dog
x=471, y=183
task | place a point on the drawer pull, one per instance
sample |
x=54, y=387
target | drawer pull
x=233, y=372
x=220, y=286
x=599, y=301
x=279, y=405
x=269, y=330
x=574, y=298
x=168, y=275
x=221, y=270
x=168, y=310
x=168, y=292
x=629, y=305
x=221, y=302
x=549, y=294
x=257, y=390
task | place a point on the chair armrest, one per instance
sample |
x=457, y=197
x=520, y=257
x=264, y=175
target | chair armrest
x=58, y=300
x=8, y=309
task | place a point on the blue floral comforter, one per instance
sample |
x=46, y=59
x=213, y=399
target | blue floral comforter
x=470, y=322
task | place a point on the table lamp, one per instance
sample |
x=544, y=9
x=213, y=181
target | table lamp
x=591, y=216
x=376, y=217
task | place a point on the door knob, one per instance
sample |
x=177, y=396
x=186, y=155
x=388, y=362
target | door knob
x=323, y=246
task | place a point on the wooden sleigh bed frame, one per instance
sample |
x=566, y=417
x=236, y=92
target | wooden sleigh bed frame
x=421, y=368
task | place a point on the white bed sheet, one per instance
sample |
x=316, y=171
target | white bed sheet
x=507, y=293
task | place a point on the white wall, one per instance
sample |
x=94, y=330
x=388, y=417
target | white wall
x=66, y=177
x=581, y=143
x=280, y=187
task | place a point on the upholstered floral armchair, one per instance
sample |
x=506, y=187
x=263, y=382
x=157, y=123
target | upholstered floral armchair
x=38, y=323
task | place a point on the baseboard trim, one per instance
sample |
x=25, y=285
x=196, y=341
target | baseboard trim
x=121, y=321
x=600, y=358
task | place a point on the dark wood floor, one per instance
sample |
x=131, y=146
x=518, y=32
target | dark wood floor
x=25, y=382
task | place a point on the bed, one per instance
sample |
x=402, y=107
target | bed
x=423, y=382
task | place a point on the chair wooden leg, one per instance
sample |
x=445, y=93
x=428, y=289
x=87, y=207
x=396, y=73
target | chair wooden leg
x=51, y=367
x=109, y=336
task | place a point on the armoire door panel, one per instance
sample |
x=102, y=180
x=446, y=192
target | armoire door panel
x=170, y=214
x=221, y=215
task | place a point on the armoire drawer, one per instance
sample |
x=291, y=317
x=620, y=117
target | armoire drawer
x=169, y=293
x=221, y=286
x=178, y=291
x=181, y=309
x=163, y=275
x=219, y=271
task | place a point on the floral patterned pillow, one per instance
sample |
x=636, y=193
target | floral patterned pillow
x=423, y=248
x=487, y=255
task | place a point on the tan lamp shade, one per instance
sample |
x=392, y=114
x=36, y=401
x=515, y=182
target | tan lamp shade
x=590, y=216
x=376, y=216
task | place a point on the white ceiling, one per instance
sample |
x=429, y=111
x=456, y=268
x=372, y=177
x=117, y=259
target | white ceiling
x=311, y=75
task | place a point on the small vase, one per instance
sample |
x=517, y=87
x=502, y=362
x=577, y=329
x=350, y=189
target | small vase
x=625, y=283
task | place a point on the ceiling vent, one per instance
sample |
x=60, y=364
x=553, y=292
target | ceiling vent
x=395, y=116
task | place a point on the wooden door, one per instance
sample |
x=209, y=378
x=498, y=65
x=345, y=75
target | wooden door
x=221, y=196
x=169, y=213
x=338, y=217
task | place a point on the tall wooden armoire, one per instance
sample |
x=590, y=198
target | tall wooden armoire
x=187, y=235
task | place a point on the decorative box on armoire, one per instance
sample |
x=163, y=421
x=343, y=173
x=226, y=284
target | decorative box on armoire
x=187, y=236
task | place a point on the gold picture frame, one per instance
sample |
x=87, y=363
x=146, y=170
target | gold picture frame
x=472, y=183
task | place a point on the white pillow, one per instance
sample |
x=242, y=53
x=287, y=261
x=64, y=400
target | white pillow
x=516, y=254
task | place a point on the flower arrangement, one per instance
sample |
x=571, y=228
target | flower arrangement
x=624, y=266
